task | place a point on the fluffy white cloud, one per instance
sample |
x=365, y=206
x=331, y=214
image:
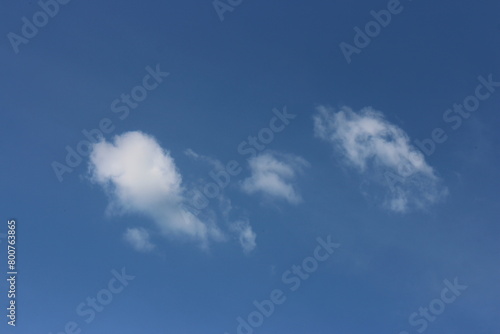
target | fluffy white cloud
x=381, y=151
x=139, y=239
x=274, y=175
x=140, y=177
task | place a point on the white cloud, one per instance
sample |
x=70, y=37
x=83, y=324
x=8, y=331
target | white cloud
x=381, y=151
x=140, y=177
x=139, y=239
x=245, y=234
x=274, y=175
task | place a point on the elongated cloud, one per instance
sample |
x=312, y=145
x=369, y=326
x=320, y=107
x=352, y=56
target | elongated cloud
x=383, y=153
x=274, y=175
x=140, y=177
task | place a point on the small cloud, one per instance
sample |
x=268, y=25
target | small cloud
x=382, y=152
x=245, y=235
x=274, y=175
x=139, y=239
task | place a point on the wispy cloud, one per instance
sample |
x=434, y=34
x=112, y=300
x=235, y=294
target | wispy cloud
x=240, y=227
x=200, y=157
x=246, y=235
x=274, y=175
x=382, y=152
x=139, y=239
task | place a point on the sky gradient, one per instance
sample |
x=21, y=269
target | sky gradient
x=187, y=166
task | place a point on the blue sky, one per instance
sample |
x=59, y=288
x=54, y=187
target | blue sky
x=375, y=157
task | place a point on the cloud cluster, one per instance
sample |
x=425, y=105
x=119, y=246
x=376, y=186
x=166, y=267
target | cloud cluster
x=381, y=151
x=274, y=175
x=141, y=177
